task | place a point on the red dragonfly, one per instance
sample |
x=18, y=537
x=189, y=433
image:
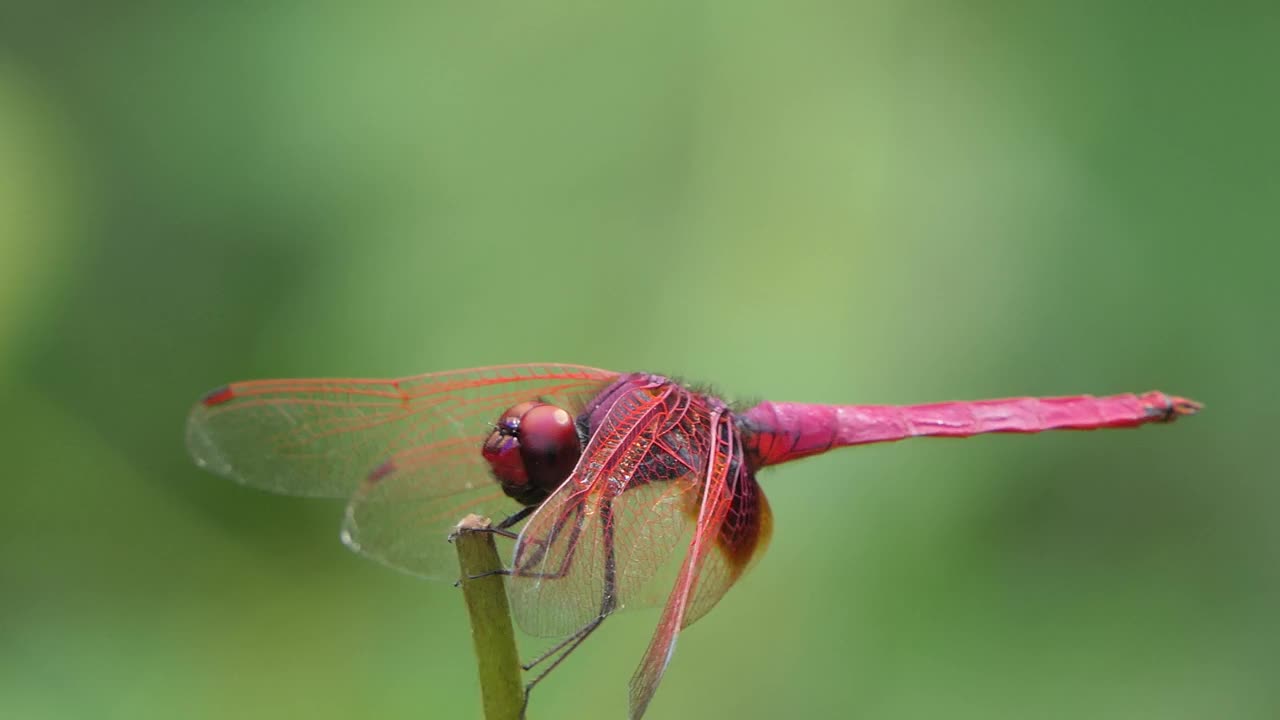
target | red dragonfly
x=631, y=486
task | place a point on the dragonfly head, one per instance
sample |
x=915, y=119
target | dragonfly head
x=532, y=449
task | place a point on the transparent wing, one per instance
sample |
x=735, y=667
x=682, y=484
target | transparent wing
x=403, y=512
x=706, y=574
x=601, y=540
x=565, y=589
x=740, y=542
x=324, y=437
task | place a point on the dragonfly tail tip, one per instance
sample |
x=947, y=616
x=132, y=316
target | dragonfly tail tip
x=1183, y=406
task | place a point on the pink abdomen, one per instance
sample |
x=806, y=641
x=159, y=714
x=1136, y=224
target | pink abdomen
x=779, y=432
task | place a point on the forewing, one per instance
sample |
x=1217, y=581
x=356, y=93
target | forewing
x=324, y=437
x=596, y=544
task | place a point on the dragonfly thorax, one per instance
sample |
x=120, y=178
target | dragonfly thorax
x=532, y=449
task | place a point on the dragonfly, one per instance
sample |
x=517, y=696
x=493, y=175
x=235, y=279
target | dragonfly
x=631, y=489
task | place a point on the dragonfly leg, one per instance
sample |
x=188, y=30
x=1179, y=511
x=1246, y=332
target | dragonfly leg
x=501, y=530
x=481, y=576
x=515, y=517
x=512, y=519
x=608, y=603
x=560, y=652
x=565, y=562
x=539, y=549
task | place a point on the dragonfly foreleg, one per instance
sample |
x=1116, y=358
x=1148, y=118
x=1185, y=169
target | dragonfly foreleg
x=501, y=530
x=512, y=519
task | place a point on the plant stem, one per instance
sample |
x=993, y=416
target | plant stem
x=496, y=655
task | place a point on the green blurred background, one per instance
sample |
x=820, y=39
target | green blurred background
x=860, y=202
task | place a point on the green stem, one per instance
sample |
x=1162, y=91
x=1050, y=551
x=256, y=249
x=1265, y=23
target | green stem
x=495, y=640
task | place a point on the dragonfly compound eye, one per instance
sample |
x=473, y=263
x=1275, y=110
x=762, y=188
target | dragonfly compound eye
x=532, y=449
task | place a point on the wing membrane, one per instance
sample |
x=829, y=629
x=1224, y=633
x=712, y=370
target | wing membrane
x=321, y=438
x=694, y=581
x=405, y=509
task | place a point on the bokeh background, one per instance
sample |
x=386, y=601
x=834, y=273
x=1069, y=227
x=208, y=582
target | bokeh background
x=861, y=202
